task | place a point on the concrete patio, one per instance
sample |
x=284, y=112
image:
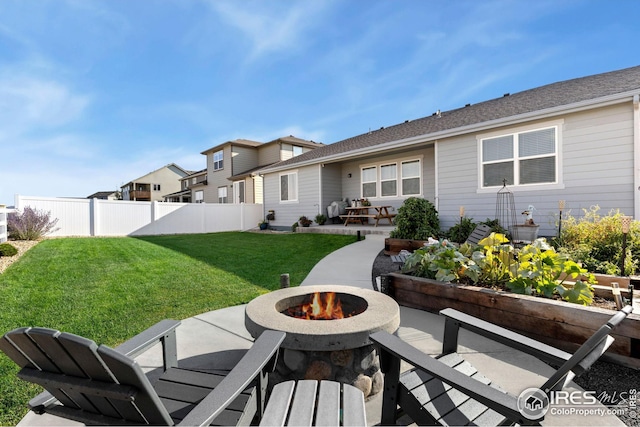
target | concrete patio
x=217, y=339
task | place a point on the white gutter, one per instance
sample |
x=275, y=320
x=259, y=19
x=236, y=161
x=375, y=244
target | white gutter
x=477, y=127
x=436, y=195
x=636, y=156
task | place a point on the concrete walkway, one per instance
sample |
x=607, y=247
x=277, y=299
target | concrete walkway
x=218, y=339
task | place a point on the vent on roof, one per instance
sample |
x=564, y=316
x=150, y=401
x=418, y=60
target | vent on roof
x=406, y=121
x=506, y=94
x=468, y=105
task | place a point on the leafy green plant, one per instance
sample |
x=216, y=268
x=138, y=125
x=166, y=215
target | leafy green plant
x=30, y=224
x=321, y=219
x=461, y=231
x=440, y=261
x=543, y=271
x=417, y=219
x=536, y=269
x=7, y=249
x=596, y=241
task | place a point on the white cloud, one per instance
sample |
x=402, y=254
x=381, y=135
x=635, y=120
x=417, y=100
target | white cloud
x=272, y=27
x=30, y=103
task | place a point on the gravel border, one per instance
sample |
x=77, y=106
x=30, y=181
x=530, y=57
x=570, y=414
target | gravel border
x=604, y=378
x=22, y=246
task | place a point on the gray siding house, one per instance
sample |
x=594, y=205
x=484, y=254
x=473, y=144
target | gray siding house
x=576, y=140
x=232, y=167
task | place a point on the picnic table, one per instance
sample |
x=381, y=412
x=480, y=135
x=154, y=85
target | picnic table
x=362, y=215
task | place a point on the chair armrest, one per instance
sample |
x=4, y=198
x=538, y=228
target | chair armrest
x=263, y=351
x=493, y=398
x=163, y=331
x=455, y=319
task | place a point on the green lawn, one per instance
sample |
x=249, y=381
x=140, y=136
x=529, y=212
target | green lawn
x=109, y=289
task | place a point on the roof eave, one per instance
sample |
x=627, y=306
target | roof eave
x=476, y=127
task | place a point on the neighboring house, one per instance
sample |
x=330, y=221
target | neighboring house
x=232, y=167
x=575, y=140
x=104, y=195
x=192, y=188
x=154, y=185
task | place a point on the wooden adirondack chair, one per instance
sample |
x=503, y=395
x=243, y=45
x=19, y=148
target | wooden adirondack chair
x=104, y=386
x=448, y=390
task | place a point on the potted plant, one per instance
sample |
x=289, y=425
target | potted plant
x=321, y=219
x=264, y=224
x=304, y=221
x=416, y=221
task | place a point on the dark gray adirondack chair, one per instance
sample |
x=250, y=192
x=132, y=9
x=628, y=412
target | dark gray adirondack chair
x=448, y=390
x=480, y=232
x=102, y=386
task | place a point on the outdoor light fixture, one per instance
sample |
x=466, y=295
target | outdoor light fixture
x=349, y=175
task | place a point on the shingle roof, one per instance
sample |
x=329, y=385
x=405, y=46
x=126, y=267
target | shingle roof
x=542, y=98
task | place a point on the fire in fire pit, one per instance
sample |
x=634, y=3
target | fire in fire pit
x=336, y=349
x=324, y=306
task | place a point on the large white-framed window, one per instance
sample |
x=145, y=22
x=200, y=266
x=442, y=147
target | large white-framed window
x=218, y=160
x=289, y=186
x=522, y=158
x=222, y=194
x=398, y=178
x=411, y=178
x=389, y=180
x=199, y=195
x=369, y=181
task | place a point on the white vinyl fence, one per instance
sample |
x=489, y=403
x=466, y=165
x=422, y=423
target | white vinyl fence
x=94, y=217
x=4, y=212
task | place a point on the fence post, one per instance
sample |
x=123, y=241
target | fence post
x=3, y=223
x=93, y=217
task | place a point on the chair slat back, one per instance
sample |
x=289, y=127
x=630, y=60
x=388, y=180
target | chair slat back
x=83, y=376
x=587, y=354
x=480, y=232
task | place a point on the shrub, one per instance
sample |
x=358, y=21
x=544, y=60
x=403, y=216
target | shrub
x=321, y=219
x=461, y=231
x=30, y=224
x=7, y=250
x=596, y=241
x=417, y=219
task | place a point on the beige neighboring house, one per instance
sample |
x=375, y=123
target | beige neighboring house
x=233, y=167
x=192, y=188
x=154, y=185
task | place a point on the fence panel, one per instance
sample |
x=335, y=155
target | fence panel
x=93, y=217
x=74, y=215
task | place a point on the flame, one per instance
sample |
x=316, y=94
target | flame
x=324, y=306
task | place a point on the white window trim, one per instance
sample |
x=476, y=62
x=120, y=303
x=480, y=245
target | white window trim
x=226, y=194
x=398, y=162
x=295, y=200
x=558, y=184
x=214, y=160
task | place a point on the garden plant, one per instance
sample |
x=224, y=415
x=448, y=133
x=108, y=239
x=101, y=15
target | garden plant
x=536, y=269
x=417, y=219
x=30, y=224
x=596, y=241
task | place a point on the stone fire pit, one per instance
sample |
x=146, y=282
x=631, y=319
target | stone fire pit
x=337, y=349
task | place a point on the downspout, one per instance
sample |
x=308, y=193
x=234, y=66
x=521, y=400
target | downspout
x=436, y=194
x=636, y=156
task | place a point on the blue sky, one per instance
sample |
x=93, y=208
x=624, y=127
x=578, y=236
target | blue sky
x=94, y=94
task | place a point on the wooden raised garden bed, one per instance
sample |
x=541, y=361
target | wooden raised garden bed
x=558, y=323
x=394, y=246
